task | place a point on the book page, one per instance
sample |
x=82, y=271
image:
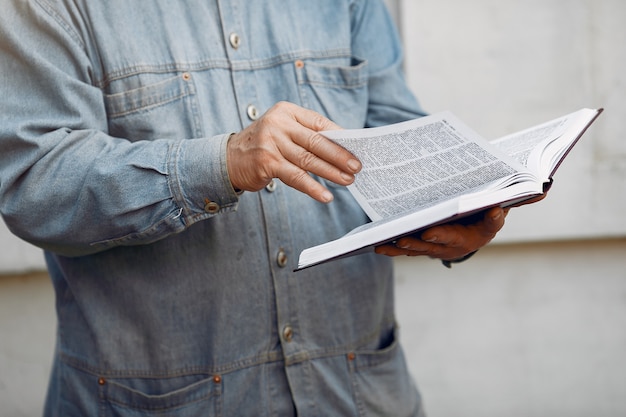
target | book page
x=419, y=163
x=519, y=145
x=434, y=170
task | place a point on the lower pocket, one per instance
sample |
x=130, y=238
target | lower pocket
x=383, y=385
x=191, y=396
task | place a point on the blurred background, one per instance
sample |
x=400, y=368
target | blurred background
x=535, y=324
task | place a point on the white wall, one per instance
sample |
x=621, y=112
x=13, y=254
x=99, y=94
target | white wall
x=27, y=328
x=503, y=65
x=535, y=329
x=530, y=330
x=17, y=255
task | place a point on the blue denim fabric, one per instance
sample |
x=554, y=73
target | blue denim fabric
x=115, y=116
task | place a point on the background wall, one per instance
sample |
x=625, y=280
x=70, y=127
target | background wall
x=535, y=324
x=504, y=65
x=523, y=330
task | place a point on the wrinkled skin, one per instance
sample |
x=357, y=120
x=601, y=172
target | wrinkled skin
x=285, y=143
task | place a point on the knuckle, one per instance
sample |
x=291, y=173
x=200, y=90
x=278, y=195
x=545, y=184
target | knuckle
x=265, y=124
x=300, y=177
x=318, y=123
x=436, y=251
x=316, y=140
x=281, y=106
x=307, y=159
x=458, y=241
x=487, y=234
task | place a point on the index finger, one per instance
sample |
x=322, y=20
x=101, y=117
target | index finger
x=315, y=142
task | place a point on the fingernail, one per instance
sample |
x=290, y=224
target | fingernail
x=431, y=239
x=497, y=215
x=354, y=165
x=327, y=196
x=347, y=177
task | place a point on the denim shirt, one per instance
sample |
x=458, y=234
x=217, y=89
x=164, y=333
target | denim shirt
x=175, y=295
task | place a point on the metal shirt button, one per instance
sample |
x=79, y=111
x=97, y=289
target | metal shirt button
x=235, y=40
x=288, y=333
x=281, y=258
x=271, y=187
x=253, y=112
x=211, y=207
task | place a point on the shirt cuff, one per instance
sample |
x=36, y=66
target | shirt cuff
x=199, y=178
x=448, y=263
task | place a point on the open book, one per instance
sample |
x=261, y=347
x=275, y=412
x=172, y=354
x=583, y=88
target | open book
x=435, y=169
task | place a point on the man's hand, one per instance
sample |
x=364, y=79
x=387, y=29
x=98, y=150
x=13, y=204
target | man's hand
x=285, y=143
x=450, y=241
x=454, y=240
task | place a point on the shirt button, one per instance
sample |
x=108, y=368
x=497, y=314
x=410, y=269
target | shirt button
x=235, y=40
x=271, y=187
x=288, y=333
x=281, y=258
x=253, y=112
x=211, y=207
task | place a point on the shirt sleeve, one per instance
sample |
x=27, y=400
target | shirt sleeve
x=375, y=39
x=65, y=184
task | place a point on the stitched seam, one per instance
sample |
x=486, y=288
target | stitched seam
x=225, y=64
x=49, y=9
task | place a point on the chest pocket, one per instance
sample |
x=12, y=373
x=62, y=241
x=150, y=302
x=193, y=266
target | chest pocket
x=148, y=107
x=338, y=92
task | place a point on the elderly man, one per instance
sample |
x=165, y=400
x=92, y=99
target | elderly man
x=167, y=157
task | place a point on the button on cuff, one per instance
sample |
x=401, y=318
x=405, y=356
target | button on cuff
x=199, y=175
x=211, y=207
